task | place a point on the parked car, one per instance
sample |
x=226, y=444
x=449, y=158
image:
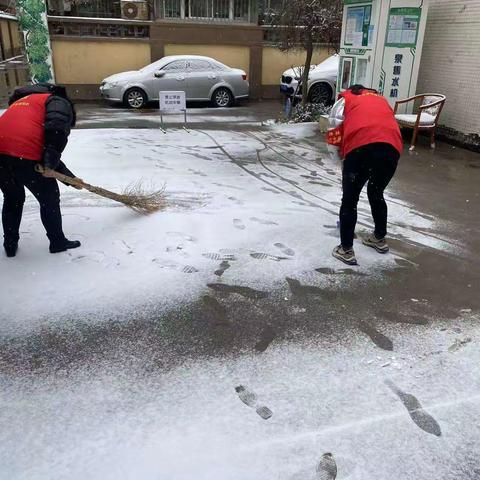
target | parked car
x=202, y=78
x=322, y=81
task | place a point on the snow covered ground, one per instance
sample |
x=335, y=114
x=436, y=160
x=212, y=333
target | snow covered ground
x=255, y=209
x=265, y=206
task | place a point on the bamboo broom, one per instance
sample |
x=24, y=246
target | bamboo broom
x=133, y=196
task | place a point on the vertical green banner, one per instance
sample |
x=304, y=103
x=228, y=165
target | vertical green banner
x=32, y=16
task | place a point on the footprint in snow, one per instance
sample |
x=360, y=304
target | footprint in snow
x=237, y=223
x=262, y=221
x=250, y=399
x=175, y=266
x=95, y=257
x=326, y=468
x=284, y=249
x=267, y=256
x=420, y=417
x=224, y=266
x=219, y=256
x=378, y=338
x=266, y=338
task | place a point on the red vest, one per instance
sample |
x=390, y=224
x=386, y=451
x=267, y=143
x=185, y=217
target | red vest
x=22, y=128
x=368, y=119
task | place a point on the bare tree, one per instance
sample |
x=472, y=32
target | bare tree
x=301, y=24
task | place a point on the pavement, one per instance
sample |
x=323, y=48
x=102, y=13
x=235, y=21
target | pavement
x=261, y=379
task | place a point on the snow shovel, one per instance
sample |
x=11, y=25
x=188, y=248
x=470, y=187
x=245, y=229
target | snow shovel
x=133, y=196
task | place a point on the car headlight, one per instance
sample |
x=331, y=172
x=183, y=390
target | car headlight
x=110, y=84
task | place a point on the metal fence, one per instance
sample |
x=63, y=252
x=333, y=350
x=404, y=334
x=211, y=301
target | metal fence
x=97, y=29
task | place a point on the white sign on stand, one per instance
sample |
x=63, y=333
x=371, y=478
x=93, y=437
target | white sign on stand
x=172, y=101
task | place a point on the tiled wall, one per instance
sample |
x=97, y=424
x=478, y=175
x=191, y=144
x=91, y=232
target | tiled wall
x=451, y=62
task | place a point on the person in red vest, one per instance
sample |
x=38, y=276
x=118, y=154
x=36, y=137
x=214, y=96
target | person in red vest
x=371, y=145
x=34, y=130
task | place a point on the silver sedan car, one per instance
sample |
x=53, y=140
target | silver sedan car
x=202, y=78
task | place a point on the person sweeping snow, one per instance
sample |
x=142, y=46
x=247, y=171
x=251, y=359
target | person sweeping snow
x=370, y=142
x=34, y=131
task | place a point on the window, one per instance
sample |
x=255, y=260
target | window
x=361, y=71
x=346, y=73
x=230, y=10
x=176, y=66
x=241, y=10
x=172, y=8
x=199, y=65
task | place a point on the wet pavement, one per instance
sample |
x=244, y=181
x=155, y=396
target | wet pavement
x=263, y=380
x=199, y=115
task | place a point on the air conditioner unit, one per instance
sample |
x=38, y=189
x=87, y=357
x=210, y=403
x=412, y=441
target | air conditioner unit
x=134, y=10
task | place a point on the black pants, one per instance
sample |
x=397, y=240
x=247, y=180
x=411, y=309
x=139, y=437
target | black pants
x=15, y=175
x=375, y=163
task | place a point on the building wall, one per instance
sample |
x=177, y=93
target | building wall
x=80, y=61
x=451, y=63
x=231, y=55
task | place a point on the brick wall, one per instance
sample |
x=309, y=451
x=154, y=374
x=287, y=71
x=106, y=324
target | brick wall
x=451, y=62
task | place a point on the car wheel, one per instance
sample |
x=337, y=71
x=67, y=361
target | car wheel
x=222, y=97
x=320, y=93
x=135, y=98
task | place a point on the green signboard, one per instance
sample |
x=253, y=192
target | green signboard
x=403, y=25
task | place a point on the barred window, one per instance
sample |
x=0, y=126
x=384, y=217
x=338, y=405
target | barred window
x=230, y=10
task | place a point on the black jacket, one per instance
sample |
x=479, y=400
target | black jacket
x=60, y=117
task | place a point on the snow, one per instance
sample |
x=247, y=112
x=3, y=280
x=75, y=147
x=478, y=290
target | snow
x=221, y=200
x=119, y=414
x=100, y=422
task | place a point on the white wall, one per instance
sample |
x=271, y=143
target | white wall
x=451, y=61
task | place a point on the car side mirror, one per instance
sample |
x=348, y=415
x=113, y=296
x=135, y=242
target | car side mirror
x=159, y=74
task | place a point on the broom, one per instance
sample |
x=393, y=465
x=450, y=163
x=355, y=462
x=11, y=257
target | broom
x=133, y=196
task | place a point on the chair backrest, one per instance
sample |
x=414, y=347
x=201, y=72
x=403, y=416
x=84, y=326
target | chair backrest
x=432, y=98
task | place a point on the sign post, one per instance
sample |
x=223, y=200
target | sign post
x=172, y=101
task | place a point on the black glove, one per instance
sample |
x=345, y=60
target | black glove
x=51, y=158
x=62, y=168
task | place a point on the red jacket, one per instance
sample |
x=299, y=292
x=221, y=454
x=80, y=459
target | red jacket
x=368, y=119
x=22, y=132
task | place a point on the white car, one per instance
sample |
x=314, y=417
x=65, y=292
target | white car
x=322, y=81
x=201, y=78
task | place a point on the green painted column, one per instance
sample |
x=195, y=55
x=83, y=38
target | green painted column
x=32, y=16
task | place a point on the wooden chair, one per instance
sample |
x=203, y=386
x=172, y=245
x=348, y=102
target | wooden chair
x=431, y=105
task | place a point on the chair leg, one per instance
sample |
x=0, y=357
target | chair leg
x=432, y=139
x=414, y=139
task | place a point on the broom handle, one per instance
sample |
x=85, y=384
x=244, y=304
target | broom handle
x=76, y=182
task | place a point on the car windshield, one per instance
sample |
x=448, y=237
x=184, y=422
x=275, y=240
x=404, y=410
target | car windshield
x=153, y=67
x=330, y=62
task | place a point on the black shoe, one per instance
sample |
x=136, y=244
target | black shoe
x=63, y=246
x=10, y=249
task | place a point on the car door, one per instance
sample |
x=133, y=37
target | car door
x=171, y=77
x=201, y=77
